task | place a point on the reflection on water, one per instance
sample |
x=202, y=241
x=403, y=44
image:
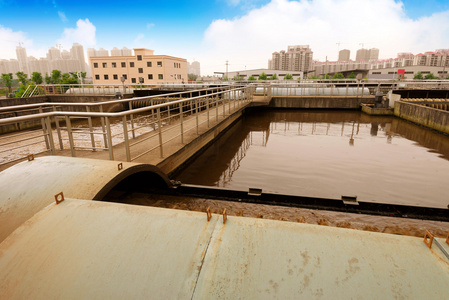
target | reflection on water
x=328, y=154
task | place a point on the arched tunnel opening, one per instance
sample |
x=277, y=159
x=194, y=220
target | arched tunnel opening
x=126, y=190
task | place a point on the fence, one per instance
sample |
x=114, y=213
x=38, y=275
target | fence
x=138, y=130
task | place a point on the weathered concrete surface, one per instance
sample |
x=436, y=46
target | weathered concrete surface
x=422, y=115
x=370, y=110
x=93, y=250
x=29, y=186
x=320, y=102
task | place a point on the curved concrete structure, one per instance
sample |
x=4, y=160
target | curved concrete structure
x=29, y=186
x=97, y=250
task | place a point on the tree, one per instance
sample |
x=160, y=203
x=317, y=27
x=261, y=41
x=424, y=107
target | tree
x=6, y=79
x=22, y=77
x=418, y=76
x=36, y=77
x=251, y=78
x=352, y=75
x=326, y=76
x=263, y=76
x=225, y=78
x=288, y=77
x=338, y=76
x=55, y=76
x=47, y=79
x=430, y=76
x=274, y=77
x=192, y=77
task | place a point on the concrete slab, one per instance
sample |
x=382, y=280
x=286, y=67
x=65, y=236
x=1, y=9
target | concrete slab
x=29, y=186
x=89, y=249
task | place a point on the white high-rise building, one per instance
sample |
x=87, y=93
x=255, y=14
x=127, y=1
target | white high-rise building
x=194, y=68
x=22, y=58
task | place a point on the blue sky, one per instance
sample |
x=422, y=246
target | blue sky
x=244, y=32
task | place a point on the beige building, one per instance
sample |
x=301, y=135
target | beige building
x=142, y=67
x=297, y=58
x=344, y=55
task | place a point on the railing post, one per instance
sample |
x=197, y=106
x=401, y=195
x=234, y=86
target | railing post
x=109, y=138
x=223, y=99
x=44, y=129
x=70, y=134
x=89, y=121
x=103, y=128
x=363, y=87
x=168, y=109
x=50, y=136
x=207, y=110
x=58, y=130
x=216, y=108
x=159, y=125
x=131, y=118
x=181, y=119
x=196, y=114
x=125, y=135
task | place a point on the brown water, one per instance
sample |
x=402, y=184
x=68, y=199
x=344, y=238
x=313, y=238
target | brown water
x=328, y=154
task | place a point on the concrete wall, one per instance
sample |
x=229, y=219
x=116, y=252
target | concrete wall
x=422, y=115
x=321, y=102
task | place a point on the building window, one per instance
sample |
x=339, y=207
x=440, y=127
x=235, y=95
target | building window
x=160, y=76
x=149, y=64
x=139, y=57
x=105, y=65
x=125, y=76
x=133, y=80
x=141, y=80
x=115, y=76
x=114, y=65
x=131, y=64
x=150, y=76
x=159, y=64
x=140, y=70
x=95, y=65
x=97, y=77
x=123, y=64
x=106, y=77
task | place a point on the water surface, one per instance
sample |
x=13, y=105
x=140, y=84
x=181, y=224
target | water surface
x=328, y=154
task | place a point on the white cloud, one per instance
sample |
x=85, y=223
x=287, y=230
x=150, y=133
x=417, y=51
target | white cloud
x=139, y=39
x=9, y=40
x=249, y=40
x=149, y=26
x=84, y=33
x=62, y=16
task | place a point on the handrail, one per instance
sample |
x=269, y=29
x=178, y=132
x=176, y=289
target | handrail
x=26, y=106
x=12, y=120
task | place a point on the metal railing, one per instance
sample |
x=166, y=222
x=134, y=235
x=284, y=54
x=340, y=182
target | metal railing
x=135, y=131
